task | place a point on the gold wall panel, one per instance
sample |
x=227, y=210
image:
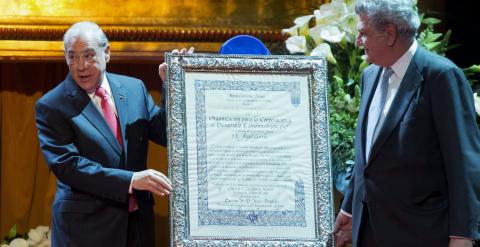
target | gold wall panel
x=33, y=30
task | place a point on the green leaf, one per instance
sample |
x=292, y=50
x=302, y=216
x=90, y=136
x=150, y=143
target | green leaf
x=431, y=46
x=13, y=232
x=432, y=37
x=472, y=69
x=431, y=21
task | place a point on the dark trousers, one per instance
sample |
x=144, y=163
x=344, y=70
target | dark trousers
x=133, y=236
x=366, y=238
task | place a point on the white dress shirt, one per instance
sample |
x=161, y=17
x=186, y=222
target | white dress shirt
x=98, y=101
x=399, y=69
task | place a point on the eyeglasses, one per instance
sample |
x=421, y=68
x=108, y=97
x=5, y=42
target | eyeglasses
x=88, y=57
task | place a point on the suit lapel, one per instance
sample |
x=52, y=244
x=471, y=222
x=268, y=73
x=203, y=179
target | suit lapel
x=369, y=84
x=120, y=97
x=84, y=104
x=408, y=87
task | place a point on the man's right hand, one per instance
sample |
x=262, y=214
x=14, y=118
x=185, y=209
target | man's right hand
x=342, y=231
x=153, y=181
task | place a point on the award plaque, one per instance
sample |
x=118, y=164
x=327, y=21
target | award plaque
x=249, y=151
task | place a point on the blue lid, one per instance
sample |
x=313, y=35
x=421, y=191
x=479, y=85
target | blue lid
x=244, y=44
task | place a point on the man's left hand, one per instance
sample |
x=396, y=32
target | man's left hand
x=162, y=68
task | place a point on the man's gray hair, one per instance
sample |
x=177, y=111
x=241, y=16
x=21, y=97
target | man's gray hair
x=84, y=30
x=400, y=13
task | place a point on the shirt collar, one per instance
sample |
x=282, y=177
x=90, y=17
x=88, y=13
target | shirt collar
x=401, y=65
x=105, y=85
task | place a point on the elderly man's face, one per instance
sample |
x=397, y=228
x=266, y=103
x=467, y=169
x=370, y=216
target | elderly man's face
x=374, y=42
x=87, y=62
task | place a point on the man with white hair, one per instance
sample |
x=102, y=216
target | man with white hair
x=94, y=129
x=417, y=162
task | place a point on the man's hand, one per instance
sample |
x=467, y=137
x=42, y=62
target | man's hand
x=460, y=242
x=162, y=68
x=342, y=231
x=153, y=181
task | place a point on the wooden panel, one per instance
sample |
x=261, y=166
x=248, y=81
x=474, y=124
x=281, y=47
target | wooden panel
x=163, y=25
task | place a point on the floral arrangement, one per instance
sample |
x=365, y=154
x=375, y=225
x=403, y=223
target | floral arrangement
x=36, y=237
x=331, y=32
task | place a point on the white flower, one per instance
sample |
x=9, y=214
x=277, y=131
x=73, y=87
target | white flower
x=301, y=26
x=350, y=5
x=349, y=25
x=330, y=13
x=293, y=31
x=302, y=23
x=351, y=107
x=296, y=44
x=19, y=242
x=302, y=20
x=315, y=33
x=477, y=103
x=37, y=235
x=332, y=34
x=348, y=98
x=323, y=49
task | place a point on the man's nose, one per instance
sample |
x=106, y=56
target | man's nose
x=82, y=63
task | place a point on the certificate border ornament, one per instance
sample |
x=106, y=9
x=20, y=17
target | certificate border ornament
x=316, y=70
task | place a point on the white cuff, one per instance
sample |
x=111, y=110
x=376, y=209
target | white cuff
x=345, y=213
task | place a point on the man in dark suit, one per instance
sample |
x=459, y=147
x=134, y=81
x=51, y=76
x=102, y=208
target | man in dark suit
x=417, y=143
x=94, y=129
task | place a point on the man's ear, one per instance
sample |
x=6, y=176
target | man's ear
x=392, y=34
x=107, y=53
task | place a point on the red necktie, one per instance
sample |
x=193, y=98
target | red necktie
x=112, y=122
x=109, y=115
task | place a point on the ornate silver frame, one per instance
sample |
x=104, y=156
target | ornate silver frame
x=316, y=70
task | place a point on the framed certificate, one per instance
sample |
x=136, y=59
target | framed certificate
x=248, y=151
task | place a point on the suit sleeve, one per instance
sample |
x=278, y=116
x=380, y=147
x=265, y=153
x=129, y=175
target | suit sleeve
x=157, y=119
x=57, y=141
x=348, y=197
x=454, y=119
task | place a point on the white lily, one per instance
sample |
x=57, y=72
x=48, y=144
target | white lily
x=477, y=103
x=315, y=33
x=301, y=26
x=37, y=235
x=332, y=34
x=19, y=242
x=349, y=25
x=324, y=50
x=350, y=5
x=293, y=31
x=330, y=13
x=296, y=44
x=302, y=23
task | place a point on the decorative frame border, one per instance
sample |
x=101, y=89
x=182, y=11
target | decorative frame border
x=316, y=69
